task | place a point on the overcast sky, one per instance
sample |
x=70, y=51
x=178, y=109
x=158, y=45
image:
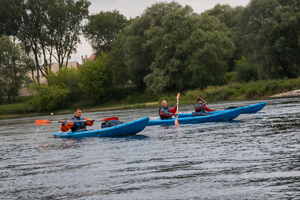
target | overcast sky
x=133, y=8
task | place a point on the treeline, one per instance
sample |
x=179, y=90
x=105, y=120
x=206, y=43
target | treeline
x=167, y=48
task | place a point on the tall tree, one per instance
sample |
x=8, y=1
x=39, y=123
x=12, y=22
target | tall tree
x=269, y=32
x=103, y=28
x=13, y=67
x=138, y=56
x=51, y=29
x=189, y=48
x=65, y=17
x=10, y=16
x=115, y=62
x=230, y=17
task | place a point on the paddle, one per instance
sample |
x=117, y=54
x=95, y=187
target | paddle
x=41, y=122
x=176, y=120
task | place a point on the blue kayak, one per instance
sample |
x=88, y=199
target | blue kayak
x=246, y=109
x=220, y=116
x=129, y=128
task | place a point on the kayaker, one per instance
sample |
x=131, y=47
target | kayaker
x=76, y=126
x=165, y=112
x=201, y=107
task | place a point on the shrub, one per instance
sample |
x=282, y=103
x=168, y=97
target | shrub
x=49, y=98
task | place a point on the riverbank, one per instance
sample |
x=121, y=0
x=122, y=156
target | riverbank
x=263, y=89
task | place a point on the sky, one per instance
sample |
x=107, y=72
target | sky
x=134, y=8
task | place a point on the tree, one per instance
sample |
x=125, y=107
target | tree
x=269, y=32
x=65, y=18
x=208, y=53
x=95, y=79
x=115, y=62
x=10, y=16
x=103, y=28
x=51, y=29
x=191, y=51
x=230, y=17
x=13, y=67
x=138, y=54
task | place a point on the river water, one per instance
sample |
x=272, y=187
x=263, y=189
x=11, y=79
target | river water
x=255, y=156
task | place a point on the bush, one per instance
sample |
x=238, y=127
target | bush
x=95, y=80
x=66, y=78
x=49, y=98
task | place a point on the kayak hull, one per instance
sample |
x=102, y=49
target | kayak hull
x=246, y=109
x=221, y=116
x=129, y=128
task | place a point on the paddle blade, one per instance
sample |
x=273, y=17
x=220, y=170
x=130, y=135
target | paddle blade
x=176, y=122
x=110, y=118
x=198, y=96
x=41, y=122
x=178, y=95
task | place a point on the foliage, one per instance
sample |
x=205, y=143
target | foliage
x=230, y=17
x=51, y=29
x=244, y=71
x=49, y=97
x=10, y=16
x=269, y=32
x=13, y=67
x=158, y=48
x=103, y=28
x=95, y=79
x=115, y=63
x=66, y=78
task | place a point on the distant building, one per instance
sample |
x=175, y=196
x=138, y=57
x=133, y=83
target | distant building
x=54, y=68
x=92, y=57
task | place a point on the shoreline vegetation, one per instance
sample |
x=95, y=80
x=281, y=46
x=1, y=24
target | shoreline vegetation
x=231, y=92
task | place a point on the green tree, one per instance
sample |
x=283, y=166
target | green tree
x=65, y=17
x=51, y=30
x=10, y=16
x=245, y=72
x=95, y=80
x=230, y=17
x=115, y=63
x=138, y=54
x=191, y=51
x=103, y=28
x=269, y=32
x=14, y=66
x=208, y=53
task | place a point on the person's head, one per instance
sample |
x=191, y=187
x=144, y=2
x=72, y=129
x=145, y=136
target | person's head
x=199, y=101
x=77, y=112
x=164, y=103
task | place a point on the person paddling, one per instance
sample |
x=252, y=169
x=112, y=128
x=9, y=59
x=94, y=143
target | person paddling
x=76, y=126
x=165, y=112
x=201, y=107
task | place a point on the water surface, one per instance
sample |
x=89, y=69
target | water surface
x=255, y=156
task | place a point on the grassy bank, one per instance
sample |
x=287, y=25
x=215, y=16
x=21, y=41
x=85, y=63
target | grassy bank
x=233, y=91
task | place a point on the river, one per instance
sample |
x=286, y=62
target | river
x=255, y=156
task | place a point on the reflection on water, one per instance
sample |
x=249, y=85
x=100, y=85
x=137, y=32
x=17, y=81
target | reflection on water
x=255, y=156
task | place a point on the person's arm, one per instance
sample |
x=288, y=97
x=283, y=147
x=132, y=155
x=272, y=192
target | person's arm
x=65, y=127
x=164, y=113
x=207, y=109
x=88, y=122
x=173, y=111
